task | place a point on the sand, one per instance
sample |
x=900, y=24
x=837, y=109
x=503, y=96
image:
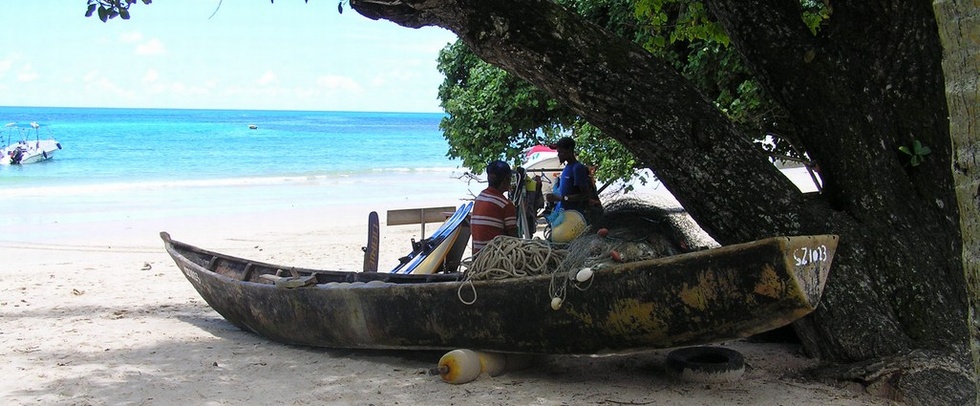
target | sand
x=104, y=317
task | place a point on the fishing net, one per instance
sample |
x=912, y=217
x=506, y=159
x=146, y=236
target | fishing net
x=629, y=230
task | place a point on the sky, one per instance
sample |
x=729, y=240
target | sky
x=251, y=54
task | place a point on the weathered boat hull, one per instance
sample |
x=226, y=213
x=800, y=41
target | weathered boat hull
x=690, y=299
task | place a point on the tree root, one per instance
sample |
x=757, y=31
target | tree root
x=919, y=377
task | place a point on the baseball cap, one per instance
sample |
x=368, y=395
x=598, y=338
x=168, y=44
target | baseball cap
x=498, y=169
x=564, y=143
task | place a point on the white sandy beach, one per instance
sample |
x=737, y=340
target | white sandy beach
x=94, y=312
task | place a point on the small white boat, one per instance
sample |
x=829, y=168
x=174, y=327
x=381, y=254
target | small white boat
x=22, y=150
x=541, y=160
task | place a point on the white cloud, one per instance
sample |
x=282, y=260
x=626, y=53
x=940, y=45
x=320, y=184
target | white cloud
x=268, y=78
x=334, y=82
x=131, y=37
x=151, y=47
x=103, y=87
x=184, y=90
x=27, y=74
x=151, y=76
x=156, y=88
x=5, y=66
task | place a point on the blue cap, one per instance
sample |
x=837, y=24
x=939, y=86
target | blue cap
x=498, y=168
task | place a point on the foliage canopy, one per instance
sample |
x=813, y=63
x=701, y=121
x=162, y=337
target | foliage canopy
x=493, y=115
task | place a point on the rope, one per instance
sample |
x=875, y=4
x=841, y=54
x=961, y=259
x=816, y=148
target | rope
x=509, y=257
x=635, y=231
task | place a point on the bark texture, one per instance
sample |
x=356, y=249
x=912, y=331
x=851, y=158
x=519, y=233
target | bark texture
x=959, y=29
x=895, y=308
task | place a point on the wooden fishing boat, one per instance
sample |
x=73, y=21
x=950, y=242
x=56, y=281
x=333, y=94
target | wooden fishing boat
x=696, y=298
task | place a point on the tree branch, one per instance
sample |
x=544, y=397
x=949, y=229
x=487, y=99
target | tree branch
x=781, y=44
x=694, y=150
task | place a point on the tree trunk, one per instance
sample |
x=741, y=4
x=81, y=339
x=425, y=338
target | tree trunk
x=958, y=22
x=870, y=83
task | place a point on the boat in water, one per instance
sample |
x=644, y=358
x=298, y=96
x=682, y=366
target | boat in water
x=19, y=149
x=688, y=299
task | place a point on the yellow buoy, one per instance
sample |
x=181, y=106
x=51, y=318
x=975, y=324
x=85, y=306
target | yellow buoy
x=459, y=366
x=462, y=365
x=492, y=363
x=570, y=228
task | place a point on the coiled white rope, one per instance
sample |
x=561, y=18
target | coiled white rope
x=509, y=257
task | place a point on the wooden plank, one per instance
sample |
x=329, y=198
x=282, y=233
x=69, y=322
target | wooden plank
x=419, y=216
x=373, y=241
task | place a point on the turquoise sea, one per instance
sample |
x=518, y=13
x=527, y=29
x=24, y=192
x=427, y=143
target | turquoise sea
x=149, y=145
x=140, y=164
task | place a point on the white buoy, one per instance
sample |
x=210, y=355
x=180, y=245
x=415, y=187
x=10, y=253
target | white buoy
x=584, y=274
x=555, y=303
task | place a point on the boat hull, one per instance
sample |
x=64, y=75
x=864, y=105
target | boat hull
x=546, y=165
x=690, y=299
x=30, y=152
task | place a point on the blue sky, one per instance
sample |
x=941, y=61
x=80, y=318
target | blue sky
x=250, y=55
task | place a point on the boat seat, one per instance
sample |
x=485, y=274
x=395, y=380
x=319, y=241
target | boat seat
x=288, y=282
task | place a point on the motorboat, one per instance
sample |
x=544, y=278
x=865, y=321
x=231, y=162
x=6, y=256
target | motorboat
x=19, y=149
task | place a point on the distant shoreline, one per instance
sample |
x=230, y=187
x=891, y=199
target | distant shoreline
x=441, y=113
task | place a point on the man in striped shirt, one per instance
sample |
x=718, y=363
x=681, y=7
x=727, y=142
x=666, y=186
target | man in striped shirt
x=493, y=214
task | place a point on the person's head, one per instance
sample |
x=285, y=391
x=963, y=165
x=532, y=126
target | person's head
x=498, y=175
x=566, y=149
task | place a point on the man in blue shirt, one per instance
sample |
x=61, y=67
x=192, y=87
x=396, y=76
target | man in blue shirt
x=575, y=190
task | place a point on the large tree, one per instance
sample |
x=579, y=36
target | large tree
x=492, y=113
x=959, y=27
x=867, y=97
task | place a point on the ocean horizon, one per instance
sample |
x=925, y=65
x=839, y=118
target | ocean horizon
x=149, y=164
x=121, y=145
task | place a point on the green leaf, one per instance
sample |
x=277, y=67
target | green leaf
x=917, y=152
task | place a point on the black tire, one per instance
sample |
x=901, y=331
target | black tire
x=706, y=364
